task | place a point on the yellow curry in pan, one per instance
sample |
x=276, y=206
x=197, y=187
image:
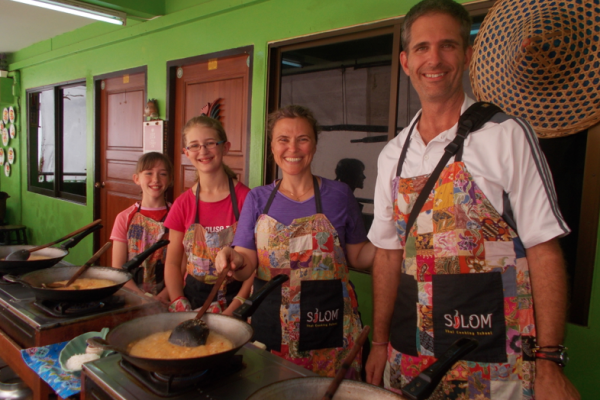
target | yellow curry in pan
x=86, y=283
x=157, y=346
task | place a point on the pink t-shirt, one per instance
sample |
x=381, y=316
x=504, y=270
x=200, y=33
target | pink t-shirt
x=214, y=217
x=119, y=231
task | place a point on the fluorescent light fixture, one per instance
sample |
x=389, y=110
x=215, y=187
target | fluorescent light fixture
x=291, y=63
x=81, y=9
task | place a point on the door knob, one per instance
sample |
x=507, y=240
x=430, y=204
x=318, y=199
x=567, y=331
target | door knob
x=99, y=185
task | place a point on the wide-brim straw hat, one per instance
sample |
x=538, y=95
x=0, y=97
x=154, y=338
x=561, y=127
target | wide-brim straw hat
x=540, y=60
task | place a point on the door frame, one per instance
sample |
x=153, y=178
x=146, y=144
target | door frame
x=97, y=134
x=170, y=110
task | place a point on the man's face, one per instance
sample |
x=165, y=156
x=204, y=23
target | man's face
x=436, y=59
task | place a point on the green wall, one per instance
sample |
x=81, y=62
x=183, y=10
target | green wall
x=191, y=28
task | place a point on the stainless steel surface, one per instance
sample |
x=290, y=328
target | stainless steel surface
x=11, y=386
x=261, y=368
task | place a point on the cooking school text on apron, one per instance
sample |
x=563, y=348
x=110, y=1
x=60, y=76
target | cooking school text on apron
x=464, y=274
x=313, y=319
x=201, y=248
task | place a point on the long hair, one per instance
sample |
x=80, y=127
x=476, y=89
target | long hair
x=208, y=122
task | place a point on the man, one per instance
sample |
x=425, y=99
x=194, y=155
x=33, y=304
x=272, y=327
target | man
x=483, y=249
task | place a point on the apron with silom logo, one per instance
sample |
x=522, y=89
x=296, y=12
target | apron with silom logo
x=313, y=319
x=201, y=248
x=464, y=275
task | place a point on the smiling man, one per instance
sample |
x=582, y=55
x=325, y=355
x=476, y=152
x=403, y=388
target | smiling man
x=479, y=254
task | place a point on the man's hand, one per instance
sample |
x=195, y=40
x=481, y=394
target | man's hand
x=551, y=383
x=376, y=365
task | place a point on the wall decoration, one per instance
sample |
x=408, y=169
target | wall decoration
x=11, y=114
x=5, y=137
x=151, y=110
x=1, y=156
x=153, y=136
x=12, y=131
x=212, y=109
x=11, y=155
x=7, y=169
x=5, y=116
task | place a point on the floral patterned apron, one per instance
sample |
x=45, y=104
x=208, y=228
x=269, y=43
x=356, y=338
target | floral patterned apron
x=142, y=233
x=201, y=248
x=464, y=275
x=313, y=320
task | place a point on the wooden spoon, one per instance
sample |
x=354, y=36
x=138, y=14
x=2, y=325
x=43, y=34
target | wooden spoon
x=23, y=254
x=81, y=270
x=193, y=332
x=339, y=377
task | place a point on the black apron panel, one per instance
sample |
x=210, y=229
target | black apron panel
x=470, y=305
x=404, y=320
x=321, y=315
x=266, y=319
x=197, y=292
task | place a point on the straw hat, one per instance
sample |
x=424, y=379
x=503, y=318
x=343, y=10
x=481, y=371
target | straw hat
x=540, y=60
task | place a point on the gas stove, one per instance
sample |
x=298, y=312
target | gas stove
x=249, y=370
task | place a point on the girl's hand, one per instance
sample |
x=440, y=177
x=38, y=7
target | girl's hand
x=163, y=297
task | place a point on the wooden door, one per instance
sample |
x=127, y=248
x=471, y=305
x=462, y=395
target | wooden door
x=122, y=102
x=226, y=80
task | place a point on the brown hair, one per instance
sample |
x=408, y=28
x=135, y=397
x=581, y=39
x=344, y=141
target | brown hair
x=292, y=111
x=149, y=160
x=428, y=7
x=211, y=123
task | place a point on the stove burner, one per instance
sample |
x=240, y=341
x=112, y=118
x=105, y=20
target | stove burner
x=174, y=385
x=69, y=309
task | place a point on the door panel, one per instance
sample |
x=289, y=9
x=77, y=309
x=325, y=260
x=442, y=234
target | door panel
x=122, y=104
x=199, y=85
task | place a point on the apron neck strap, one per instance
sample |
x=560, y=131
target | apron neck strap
x=317, y=196
x=405, y=147
x=233, y=197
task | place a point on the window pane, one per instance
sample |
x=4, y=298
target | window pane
x=74, y=144
x=42, y=109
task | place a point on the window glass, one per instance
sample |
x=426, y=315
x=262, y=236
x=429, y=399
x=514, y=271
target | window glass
x=74, y=137
x=45, y=124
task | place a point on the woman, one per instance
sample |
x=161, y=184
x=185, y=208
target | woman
x=308, y=228
x=202, y=220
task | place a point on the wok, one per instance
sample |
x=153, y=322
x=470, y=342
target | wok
x=35, y=279
x=420, y=388
x=237, y=331
x=55, y=254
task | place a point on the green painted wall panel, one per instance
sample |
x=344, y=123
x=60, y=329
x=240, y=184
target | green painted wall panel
x=191, y=28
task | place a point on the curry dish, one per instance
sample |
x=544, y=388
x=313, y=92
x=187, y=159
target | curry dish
x=86, y=283
x=32, y=257
x=157, y=346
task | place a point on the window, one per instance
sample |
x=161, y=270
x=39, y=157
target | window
x=57, y=141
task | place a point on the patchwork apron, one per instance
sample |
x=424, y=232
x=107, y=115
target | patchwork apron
x=464, y=274
x=201, y=248
x=313, y=320
x=142, y=233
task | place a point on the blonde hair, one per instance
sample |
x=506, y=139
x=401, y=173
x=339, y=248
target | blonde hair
x=208, y=122
x=149, y=160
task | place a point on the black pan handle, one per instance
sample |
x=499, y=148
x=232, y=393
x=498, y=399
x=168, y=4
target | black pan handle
x=139, y=259
x=13, y=279
x=250, y=305
x=422, y=386
x=78, y=238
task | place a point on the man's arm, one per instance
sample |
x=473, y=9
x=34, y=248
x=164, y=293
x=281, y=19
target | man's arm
x=549, y=286
x=386, y=278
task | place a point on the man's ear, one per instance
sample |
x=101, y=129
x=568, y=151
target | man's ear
x=404, y=61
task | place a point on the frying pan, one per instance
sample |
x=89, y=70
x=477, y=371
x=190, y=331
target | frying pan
x=55, y=254
x=35, y=279
x=237, y=331
x=420, y=388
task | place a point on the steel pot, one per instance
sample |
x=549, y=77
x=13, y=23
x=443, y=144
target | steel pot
x=35, y=279
x=237, y=331
x=312, y=388
x=54, y=254
x=12, y=386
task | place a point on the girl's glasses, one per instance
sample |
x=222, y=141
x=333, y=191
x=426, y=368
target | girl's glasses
x=209, y=146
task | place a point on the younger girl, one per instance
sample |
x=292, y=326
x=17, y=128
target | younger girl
x=141, y=225
x=203, y=220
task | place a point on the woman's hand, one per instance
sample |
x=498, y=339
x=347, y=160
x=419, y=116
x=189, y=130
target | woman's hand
x=242, y=262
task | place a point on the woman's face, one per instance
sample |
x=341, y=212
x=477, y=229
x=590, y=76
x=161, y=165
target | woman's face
x=293, y=145
x=205, y=159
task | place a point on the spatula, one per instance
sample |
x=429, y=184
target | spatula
x=23, y=254
x=194, y=332
x=81, y=270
